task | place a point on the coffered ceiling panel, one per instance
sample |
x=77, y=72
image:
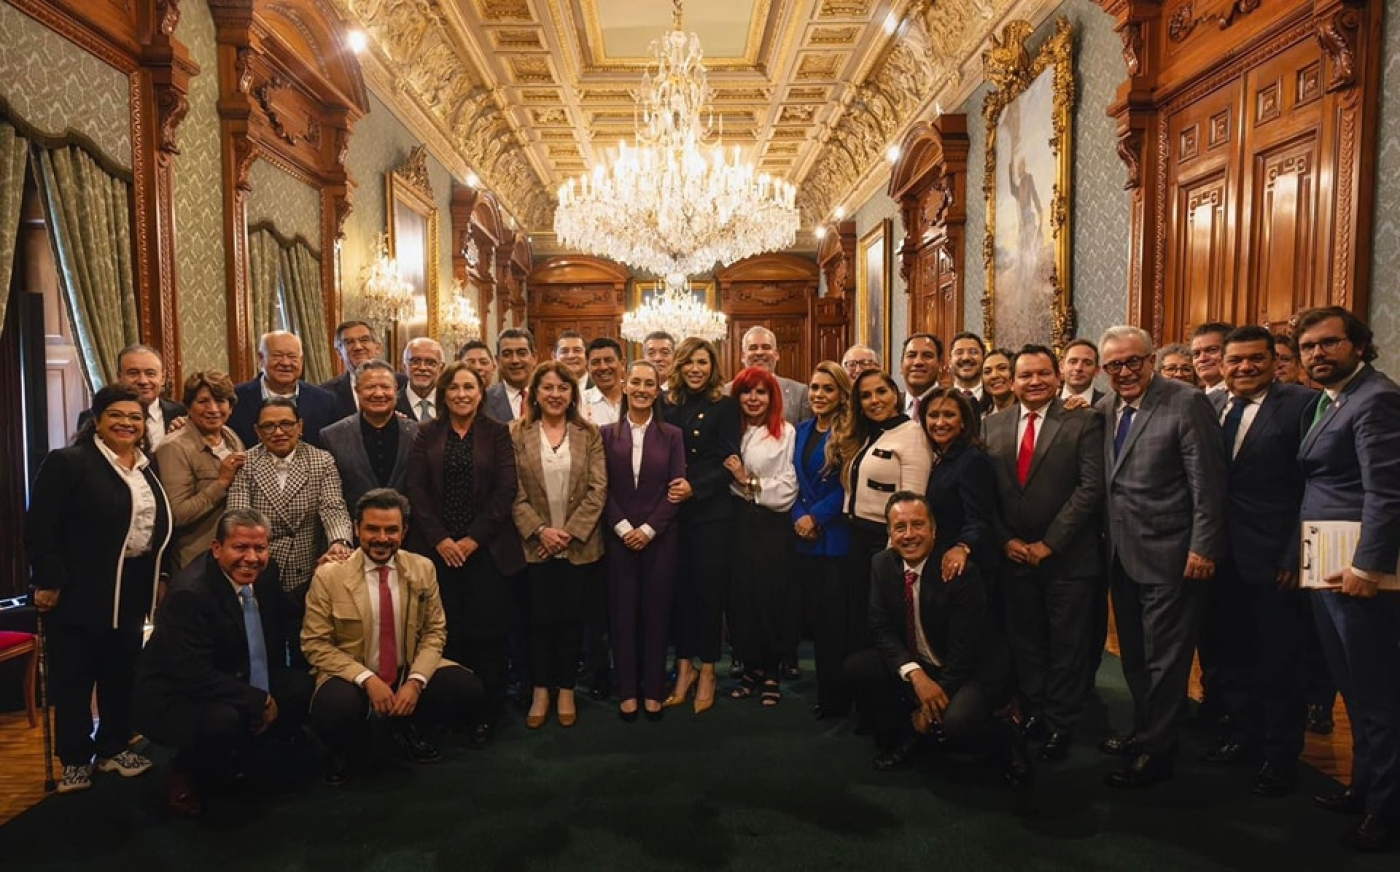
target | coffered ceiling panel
x=528, y=93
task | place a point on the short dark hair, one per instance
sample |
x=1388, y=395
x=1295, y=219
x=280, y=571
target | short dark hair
x=968, y=334
x=1285, y=339
x=515, y=333
x=566, y=334
x=472, y=346
x=1032, y=348
x=235, y=518
x=1220, y=327
x=907, y=496
x=937, y=343
x=449, y=375
x=605, y=342
x=280, y=403
x=1357, y=331
x=660, y=334
x=116, y=392
x=346, y=325
x=138, y=348
x=374, y=364
x=1087, y=343
x=385, y=498
x=1251, y=333
x=219, y=384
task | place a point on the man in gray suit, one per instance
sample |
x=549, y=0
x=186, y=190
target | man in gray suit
x=515, y=356
x=371, y=448
x=1049, y=465
x=1351, y=466
x=760, y=348
x=1165, y=471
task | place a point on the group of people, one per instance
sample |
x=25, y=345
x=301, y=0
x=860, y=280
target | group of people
x=393, y=547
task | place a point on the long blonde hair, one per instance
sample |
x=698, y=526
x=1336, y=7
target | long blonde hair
x=675, y=385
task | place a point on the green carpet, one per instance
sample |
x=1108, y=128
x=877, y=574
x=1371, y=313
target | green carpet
x=739, y=787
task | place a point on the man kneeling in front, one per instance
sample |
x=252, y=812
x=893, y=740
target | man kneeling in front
x=373, y=634
x=938, y=666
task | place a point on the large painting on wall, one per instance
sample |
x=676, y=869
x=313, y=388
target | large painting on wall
x=873, y=289
x=1027, y=188
x=413, y=243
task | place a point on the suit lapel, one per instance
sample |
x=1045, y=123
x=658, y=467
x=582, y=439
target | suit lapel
x=1262, y=421
x=406, y=433
x=265, y=474
x=1049, y=425
x=1002, y=439
x=410, y=611
x=1332, y=412
x=1145, y=409
x=578, y=461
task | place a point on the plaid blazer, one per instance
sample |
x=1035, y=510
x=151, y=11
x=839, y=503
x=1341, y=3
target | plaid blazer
x=306, y=515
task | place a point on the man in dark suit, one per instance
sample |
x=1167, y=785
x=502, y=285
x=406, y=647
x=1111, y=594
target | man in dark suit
x=1351, y=465
x=205, y=682
x=356, y=343
x=515, y=355
x=422, y=364
x=371, y=448
x=940, y=667
x=1256, y=618
x=1165, y=471
x=280, y=354
x=1049, y=465
x=965, y=358
x=1078, y=369
x=141, y=367
x=760, y=347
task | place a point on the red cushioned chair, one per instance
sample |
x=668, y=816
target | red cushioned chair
x=13, y=646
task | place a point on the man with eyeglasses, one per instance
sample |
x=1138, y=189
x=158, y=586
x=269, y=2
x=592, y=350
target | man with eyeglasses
x=1164, y=464
x=422, y=363
x=859, y=358
x=1350, y=458
x=280, y=354
x=356, y=343
x=1207, y=346
x=297, y=487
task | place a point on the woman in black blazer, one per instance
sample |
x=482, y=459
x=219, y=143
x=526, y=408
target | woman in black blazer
x=96, y=533
x=962, y=485
x=461, y=483
x=709, y=421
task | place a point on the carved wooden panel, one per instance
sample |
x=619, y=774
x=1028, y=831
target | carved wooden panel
x=1202, y=268
x=777, y=291
x=576, y=292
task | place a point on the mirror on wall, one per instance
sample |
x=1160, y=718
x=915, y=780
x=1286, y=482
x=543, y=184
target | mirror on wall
x=413, y=244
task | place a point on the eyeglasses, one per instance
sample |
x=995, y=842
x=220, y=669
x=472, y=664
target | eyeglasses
x=428, y=362
x=292, y=356
x=860, y=365
x=1173, y=369
x=1134, y=364
x=277, y=426
x=1329, y=344
x=132, y=418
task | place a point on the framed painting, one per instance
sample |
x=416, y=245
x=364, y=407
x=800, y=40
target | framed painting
x=413, y=243
x=873, y=260
x=1027, y=188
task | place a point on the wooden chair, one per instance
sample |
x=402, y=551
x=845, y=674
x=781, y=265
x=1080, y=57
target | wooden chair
x=14, y=645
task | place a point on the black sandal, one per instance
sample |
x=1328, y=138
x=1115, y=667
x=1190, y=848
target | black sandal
x=771, y=695
x=748, y=686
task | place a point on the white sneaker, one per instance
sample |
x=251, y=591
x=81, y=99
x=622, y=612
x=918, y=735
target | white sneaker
x=128, y=763
x=75, y=778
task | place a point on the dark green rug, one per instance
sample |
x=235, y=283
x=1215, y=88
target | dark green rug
x=739, y=787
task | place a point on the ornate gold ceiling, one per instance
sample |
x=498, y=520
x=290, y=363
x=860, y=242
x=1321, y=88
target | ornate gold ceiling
x=527, y=93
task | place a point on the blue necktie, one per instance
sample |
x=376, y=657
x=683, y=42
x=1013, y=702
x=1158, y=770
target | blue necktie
x=1230, y=427
x=1125, y=423
x=257, y=646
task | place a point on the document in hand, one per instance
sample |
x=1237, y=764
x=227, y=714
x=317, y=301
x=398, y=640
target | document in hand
x=1327, y=549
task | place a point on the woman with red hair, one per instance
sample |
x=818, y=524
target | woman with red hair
x=765, y=484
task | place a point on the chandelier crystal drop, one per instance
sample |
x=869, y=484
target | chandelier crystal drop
x=674, y=309
x=460, y=323
x=676, y=201
x=385, y=298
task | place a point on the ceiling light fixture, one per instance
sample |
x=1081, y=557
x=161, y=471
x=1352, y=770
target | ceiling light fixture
x=675, y=201
x=385, y=298
x=460, y=323
x=674, y=308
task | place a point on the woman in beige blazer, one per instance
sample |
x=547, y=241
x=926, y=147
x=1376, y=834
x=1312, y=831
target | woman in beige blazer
x=563, y=489
x=197, y=464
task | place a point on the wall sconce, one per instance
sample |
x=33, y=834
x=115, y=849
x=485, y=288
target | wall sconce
x=385, y=298
x=460, y=322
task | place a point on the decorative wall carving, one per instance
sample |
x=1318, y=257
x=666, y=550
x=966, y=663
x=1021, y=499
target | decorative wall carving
x=777, y=291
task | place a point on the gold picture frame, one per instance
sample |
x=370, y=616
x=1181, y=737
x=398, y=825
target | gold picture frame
x=414, y=227
x=1026, y=251
x=874, y=258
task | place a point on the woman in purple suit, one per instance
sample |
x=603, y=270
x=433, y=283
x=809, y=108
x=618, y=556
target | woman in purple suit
x=644, y=455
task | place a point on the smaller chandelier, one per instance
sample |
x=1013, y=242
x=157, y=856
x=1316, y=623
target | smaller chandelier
x=674, y=309
x=460, y=323
x=385, y=298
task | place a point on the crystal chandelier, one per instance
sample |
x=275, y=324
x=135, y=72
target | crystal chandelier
x=460, y=323
x=676, y=201
x=674, y=310
x=385, y=298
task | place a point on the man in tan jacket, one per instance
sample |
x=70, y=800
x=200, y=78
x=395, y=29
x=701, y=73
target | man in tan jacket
x=373, y=634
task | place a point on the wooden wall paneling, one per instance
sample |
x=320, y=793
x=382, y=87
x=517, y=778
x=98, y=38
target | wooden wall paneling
x=776, y=291
x=575, y=292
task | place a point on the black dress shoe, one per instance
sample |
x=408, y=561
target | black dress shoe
x=1230, y=753
x=418, y=747
x=1341, y=802
x=337, y=771
x=1144, y=770
x=654, y=716
x=1034, y=728
x=736, y=669
x=1274, y=779
x=481, y=736
x=823, y=712
x=1056, y=747
x=1371, y=835
x=1121, y=746
x=1017, y=771
x=897, y=757
x=628, y=717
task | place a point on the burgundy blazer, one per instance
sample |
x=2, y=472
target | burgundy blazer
x=663, y=461
x=493, y=472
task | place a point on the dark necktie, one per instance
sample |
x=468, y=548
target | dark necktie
x=388, y=643
x=1023, y=457
x=425, y=410
x=1230, y=427
x=1324, y=403
x=971, y=398
x=1125, y=423
x=911, y=633
x=524, y=399
x=257, y=645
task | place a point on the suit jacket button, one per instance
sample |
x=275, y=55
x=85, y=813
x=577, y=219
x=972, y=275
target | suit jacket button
x=701, y=416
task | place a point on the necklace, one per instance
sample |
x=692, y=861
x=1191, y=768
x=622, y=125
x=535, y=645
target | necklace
x=563, y=435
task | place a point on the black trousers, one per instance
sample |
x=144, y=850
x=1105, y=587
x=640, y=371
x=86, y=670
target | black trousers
x=558, y=591
x=702, y=573
x=340, y=712
x=886, y=702
x=81, y=658
x=1047, y=628
x=479, y=604
x=293, y=614
x=597, y=664
x=1157, y=629
x=760, y=599
x=838, y=608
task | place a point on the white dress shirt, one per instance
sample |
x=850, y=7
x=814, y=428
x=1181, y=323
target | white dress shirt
x=155, y=424
x=1088, y=393
x=639, y=435
x=554, y=464
x=283, y=466
x=770, y=461
x=372, y=631
x=1251, y=411
x=925, y=650
x=415, y=403
x=599, y=409
x=513, y=398
x=143, y=500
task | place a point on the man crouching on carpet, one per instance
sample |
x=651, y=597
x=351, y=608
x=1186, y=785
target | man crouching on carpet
x=373, y=634
x=938, y=665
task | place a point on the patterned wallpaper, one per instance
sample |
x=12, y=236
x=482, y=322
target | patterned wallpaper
x=56, y=86
x=199, y=205
x=1385, y=253
x=292, y=206
x=379, y=144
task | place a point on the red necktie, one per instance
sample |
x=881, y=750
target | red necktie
x=1023, y=457
x=911, y=632
x=524, y=395
x=971, y=398
x=388, y=644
